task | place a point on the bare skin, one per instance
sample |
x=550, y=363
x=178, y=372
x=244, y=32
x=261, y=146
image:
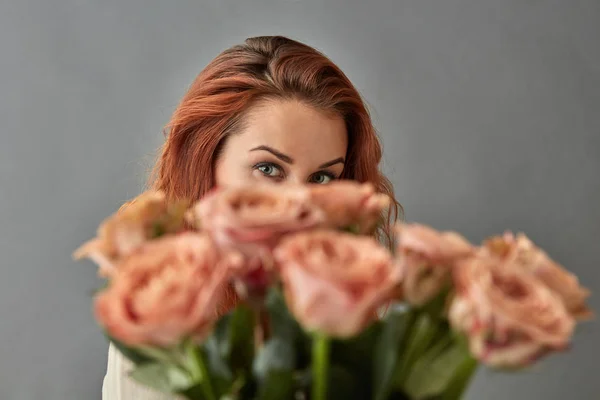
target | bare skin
x=284, y=141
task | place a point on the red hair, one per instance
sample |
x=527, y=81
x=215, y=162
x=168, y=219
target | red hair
x=270, y=67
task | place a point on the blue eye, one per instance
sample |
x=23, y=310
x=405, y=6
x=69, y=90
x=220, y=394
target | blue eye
x=321, y=178
x=270, y=170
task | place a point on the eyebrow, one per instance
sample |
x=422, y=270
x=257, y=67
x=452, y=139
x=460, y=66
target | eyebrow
x=339, y=160
x=276, y=153
x=290, y=160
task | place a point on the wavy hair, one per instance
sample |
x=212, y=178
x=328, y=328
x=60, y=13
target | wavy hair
x=268, y=67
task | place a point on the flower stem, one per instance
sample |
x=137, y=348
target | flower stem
x=460, y=383
x=320, y=366
x=405, y=347
x=200, y=373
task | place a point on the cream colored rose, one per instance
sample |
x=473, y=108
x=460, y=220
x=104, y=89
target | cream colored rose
x=427, y=257
x=350, y=204
x=168, y=289
x=149, y=216
x=334, y=282
x=253, y=218
x=520, y=250
x=510, y=318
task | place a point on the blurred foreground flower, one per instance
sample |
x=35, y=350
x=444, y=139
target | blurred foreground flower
x=349, y=204
x=253, y=218
x=521, y=251
x=334, y=282
x=150, y=216
x=273, y=291
x=168, y=290
x=509, y=317
x=427, y=257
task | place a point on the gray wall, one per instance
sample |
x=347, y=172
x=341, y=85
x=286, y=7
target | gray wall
x=489, y=111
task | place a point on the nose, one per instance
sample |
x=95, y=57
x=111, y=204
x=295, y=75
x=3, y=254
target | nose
x=294, y=179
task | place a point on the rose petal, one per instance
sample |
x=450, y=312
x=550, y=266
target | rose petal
x=508, y=315
x=334, y=282
x=167, y=290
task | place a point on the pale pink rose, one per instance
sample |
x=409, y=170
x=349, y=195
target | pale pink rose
x=148, y=217
x=521, y=251
x=427, y=257
x=167, y=290
x=510, y=318
x=253, y=218
x=334, y=282
x=351, y=205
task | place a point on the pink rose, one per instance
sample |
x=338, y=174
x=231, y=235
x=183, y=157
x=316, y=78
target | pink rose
x=350, y=204
x=169, y=289
x=253, y=218
x=427, y=257
x=523, y=252
x=510, y=318
x=334, y=282
x=149, y=216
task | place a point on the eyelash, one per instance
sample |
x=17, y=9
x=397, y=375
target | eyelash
x=329, y=174
x=269, y=164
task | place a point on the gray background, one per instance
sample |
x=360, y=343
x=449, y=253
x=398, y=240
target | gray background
x=489, y=111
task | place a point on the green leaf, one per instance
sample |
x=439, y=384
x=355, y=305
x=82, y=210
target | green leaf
x=460, y=380
x=170, y=356
x=233, y=336
x=422, y=334
x=152, y=375
x=241, y=338
x=146, y=354
x=399, y=395
x=162, y=377
x=342, y=384
x=388, y=349
x=433, y=373
x=437, y=306
x=178, y=378
x=283, y=324
x=220, y=335
x=194, y=393
x=197, y=367
x=131, y=353
x=279, y=384
x=275, y=363
x=356, y=353
x=276, y=355
x=219, y=370
x=229, y=351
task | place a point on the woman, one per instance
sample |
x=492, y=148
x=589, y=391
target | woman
x=269, y=110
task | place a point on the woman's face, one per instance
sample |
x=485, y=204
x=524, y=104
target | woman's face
x=284, y=141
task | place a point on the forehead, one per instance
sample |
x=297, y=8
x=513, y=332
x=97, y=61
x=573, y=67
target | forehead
x=296, y=129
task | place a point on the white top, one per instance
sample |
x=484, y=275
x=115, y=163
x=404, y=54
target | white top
x=119, y=386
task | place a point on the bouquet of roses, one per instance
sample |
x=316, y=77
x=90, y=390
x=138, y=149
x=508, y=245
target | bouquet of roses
x=283, y=292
